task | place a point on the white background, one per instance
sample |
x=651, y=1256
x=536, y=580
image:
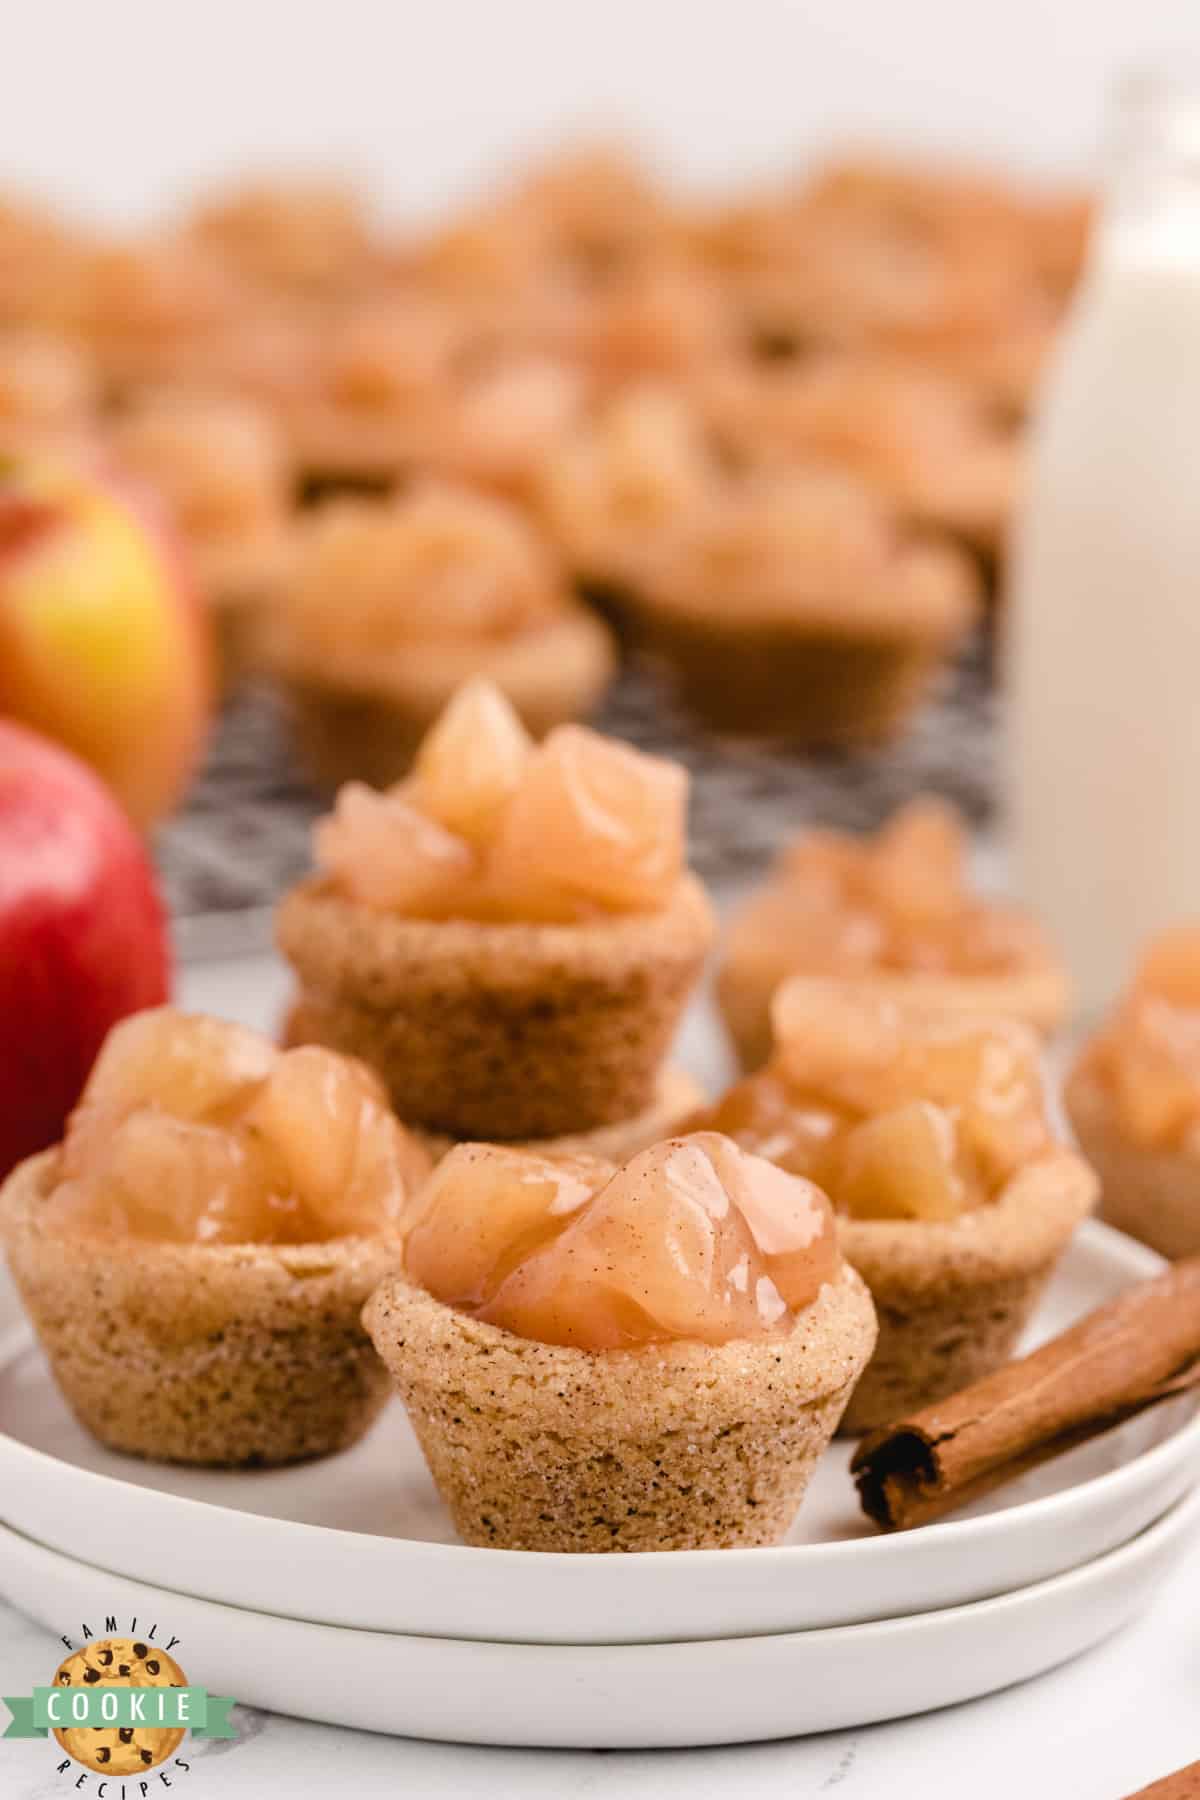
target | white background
x=121, y=106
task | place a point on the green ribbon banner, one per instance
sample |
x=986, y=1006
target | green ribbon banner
x=194, y=1709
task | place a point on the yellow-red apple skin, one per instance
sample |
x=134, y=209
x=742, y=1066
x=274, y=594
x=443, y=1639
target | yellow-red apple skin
x=103, y=644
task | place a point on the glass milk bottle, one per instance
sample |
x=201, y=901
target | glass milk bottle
x=1104, y=600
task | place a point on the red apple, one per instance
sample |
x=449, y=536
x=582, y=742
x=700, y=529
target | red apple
x=103, y=645
x=83, y=937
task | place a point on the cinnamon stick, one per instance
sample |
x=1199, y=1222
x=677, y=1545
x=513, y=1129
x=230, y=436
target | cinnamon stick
x=1125, y=1356
x=1184, y=1784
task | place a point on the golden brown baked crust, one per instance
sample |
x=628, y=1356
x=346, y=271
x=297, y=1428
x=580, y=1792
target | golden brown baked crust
x=1152, y=1194
x=198, y=1353
x=671, y=1447
x=676, y=1097
x=363, y=723
x=953, y=1296
x=796, y=679
x=241, y=582
x=828, y=624
x=507, y=1031
x=1038, y=996
x=334, y=448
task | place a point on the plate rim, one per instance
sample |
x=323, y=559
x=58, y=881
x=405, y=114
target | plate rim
x=1039, y=1510
x=1178, y=1522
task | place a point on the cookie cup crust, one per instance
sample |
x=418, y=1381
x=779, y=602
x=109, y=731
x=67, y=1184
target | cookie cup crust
x=361, y=722
x=1153, y=1194
x=953, y=1296
x=501, y=1031
x=1038, y=995
x=677, y=1446
x=820, y=670
x=241, y=582
x=194, y=1353
x=676, y=1097
x=808, y=684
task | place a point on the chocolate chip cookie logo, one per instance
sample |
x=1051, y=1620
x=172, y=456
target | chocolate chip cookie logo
x=120, y=1707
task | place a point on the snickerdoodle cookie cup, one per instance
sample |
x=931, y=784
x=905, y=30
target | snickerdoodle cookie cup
x=1151, y=1193
x=509, y=937
x=393, y=604
x=196, y=1253
x=928, y=1130
x=796, y=605
x=898, y=909
x=1133, y=1099
x=651, y=1358
x=196, y=1353
x=680, y=1446
x=504, y=1030
x=953, y=1297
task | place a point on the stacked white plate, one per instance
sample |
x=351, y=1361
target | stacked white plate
x=336, y=1590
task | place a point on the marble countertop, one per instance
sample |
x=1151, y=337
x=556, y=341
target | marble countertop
x=1096, y=1729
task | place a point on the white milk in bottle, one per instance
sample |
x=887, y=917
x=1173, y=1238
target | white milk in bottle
x=1104, y=601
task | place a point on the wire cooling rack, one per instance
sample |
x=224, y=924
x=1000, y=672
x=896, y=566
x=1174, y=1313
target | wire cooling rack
x=244, y=834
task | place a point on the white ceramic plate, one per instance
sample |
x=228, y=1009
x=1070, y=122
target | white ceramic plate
x=362, y=1539
x=644, y=1696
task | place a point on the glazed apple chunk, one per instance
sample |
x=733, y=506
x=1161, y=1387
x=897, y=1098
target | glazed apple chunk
x=1147, y=1054
x=691, y=1239
x=902, y=900
x=898, y=1111
x=440, y=565
x=193, y=1130
x=491, y=826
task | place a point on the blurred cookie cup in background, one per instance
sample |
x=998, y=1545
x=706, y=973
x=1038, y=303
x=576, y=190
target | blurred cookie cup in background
x=1133, y=1099
x=394, y=604
x=797, y=606
x=217, y=466
x=897, y=909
